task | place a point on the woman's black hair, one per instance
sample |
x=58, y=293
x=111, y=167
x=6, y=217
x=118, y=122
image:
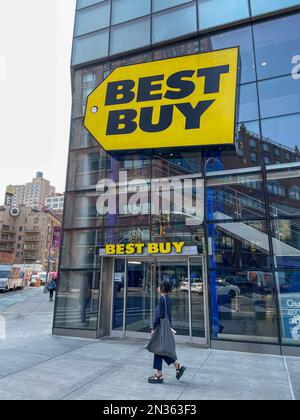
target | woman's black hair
x=165, y=287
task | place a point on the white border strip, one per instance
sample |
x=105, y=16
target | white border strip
x=289, y=378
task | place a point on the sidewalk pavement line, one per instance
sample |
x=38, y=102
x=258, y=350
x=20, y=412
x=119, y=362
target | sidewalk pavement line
x=289, y=378
x=198, y=370
x=103, y=373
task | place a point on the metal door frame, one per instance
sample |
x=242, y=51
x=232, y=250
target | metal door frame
x=180, y=339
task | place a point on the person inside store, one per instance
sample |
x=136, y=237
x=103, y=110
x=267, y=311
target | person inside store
x=164, y=309
x=85, y=298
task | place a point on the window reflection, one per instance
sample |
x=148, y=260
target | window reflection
x=118, y=297
x=276, y=42
x=243, y=306
x=130, y=36
x=218, y=12
x=279, y=96
x=123, y=10
x=283, y=189
x=81, y=211
x=235, y=197
x=87, y=167
x=239, y=244
x=248, y=104
x=174, y=23
x=244, y=156
x=259, y=7
x=81, y=249
x=228, y=39
x=283, y=133
x=177, y=50
x=286, y=243
x=77, y=300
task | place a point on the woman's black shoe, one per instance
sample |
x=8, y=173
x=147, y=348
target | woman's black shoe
x=180, y=372
x=156, y=379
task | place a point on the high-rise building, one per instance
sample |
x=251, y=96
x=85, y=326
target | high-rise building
x=236, y=279
x=31, y=194
x=55, y=203
x=26, y=236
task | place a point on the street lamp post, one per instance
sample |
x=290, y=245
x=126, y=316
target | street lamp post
x=49, y=250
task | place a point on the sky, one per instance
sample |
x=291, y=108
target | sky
x=35, y=90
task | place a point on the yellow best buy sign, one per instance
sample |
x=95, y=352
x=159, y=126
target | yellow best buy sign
x=179, y=102
x=151, y=248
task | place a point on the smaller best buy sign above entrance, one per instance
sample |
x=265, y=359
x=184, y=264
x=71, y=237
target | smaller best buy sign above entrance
x=179, y=102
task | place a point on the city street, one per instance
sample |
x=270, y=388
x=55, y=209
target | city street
x=35, y=365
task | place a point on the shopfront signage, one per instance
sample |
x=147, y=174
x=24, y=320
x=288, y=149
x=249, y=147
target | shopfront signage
x=290, y=315
x=179, y=102
x=150, y=248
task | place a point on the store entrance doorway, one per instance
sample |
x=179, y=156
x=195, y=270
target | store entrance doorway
x=136, y=294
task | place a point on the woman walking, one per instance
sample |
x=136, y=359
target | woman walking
x=51, y=288
x=164, y=312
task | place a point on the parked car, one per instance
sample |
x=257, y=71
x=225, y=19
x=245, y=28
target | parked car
x=10, y=278
x=42, y=276
x=242, y=282
x=227, y=290
x=196, y=286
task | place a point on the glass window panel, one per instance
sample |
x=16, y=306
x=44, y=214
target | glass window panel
x=91, y=47
x=242, y=157
x=86, y=3
x=139, y=296
x=165, y=4
x=174, y=23
x=176, y=164
x=176, y=273
x=92, y=19
x=283, y=133
x=86, y=169
x=276, y=44
x=243, y=306
x=118, y=294
x=123, y=10
x=133, y=59
x=198, y=304
x=288, y=286
x=259, y=7
x=77, y=301
x=241, y=37
x=81, y=211
x=85, y=80
x=283, y=188
x=239, y=244
x=218, y=12
x=127, y=234
x=131, y=35
x=80, y=137
x=81, y=249
x=248, y=103
x=177, y=50
x=286, y=243
x=235, y=197
x=279, y=96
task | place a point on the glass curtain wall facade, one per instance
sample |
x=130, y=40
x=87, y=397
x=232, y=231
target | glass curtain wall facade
x=251, y=233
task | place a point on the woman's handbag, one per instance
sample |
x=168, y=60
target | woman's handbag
x=162, y=341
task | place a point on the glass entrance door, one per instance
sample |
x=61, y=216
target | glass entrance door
x=140, y=299
x=136, y=295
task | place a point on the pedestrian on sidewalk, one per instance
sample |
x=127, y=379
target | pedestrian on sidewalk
x=163, y=337
x=51, y=288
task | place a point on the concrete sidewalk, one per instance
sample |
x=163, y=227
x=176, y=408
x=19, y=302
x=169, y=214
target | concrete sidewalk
x=35, y=365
